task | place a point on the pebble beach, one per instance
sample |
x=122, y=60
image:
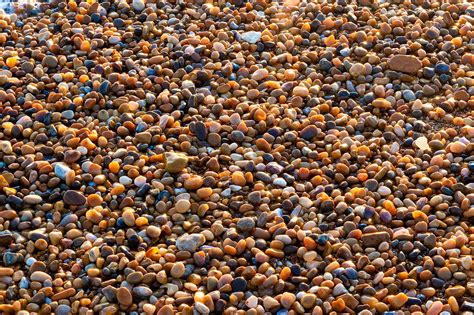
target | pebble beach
x=237, y=157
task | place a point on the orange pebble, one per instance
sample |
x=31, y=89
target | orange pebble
x=84, y=78
x=330, y=40
x=11, y=62
x=363, y=150
x=117, y=190
x=309, y=243
x=458, y=121
x=85, y=45
x=204, y=192
x=230, y=250
x=285, y=273
x=338, y=305
x=114, y=167
x=141, y=221
x=260, y=115
x=457, y=41
x=77, y=101
x=151, y=251
x=403, y=275
x=387, y=204
x=362, y=177
x=238, y=179
x=303, y=173
x=104, y=224
x=417, y=214
x=94, y=200
x=306, y=27
x=88, y=144
x=95, y=169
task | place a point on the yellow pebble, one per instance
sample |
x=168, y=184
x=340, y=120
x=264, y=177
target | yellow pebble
x=84, y=78
x=306, y=27
x=457, y=41
x=9, y=191
x=77, y=101
x=238, y=179
x=141, y=221
x=94, y=216
x=85, y=45
x=3, y=182
x=260, y=115
x=11, y=62
x=330, y=40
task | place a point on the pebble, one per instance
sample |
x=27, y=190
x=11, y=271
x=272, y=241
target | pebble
x=6, y=271
x=458, y=147
x=300, y=91
x=270, y=303
x=251, y=37
x=339, y=289
x=287, y=300
x=178, y=269
x=246, y=224
x=239, y=285
x=182, y=206
x=435, y=308
x=6, y=147
x=40, y=276
x=422, y=143
x=456, y=291
x=461, y=95
x=309, y=132
x=63, y=310
x=428, y=90
x=124, y=297
x=175, y=162
x=405, y=63
x=357, y=70
x=33, y=199
x=61, y=170
x=50, y=61
x=138, y=5
x=190, y=242
x=74, y=198
x=375, y=238
x=260, y=74
x=381, y=103
x=398, y=300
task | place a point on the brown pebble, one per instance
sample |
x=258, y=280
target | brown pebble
x=74, y=198
x=124, y=297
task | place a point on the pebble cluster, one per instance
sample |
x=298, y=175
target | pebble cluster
x=237, y=157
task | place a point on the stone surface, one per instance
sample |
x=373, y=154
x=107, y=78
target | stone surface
x=231, y=157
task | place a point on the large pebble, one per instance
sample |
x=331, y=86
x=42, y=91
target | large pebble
x=74, y=198
x=175, y=162
x=405, y=63
x=251, y=37
x=190, y=242
x=124, y=297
